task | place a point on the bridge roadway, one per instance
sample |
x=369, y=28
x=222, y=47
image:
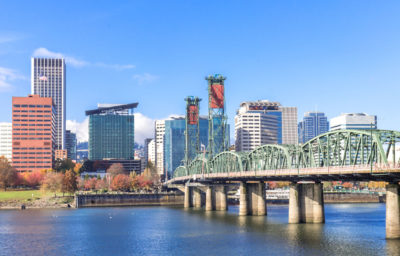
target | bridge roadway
x=351, y=155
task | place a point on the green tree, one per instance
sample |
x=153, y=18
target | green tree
x=63, y=165
x=8, y=174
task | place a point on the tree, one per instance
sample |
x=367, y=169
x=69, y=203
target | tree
x=77, y=168
x=101, y=184
x=116, y=169
x=34, y=179
x=8, y=174
x=90, y=184
x=52, y=182
x=62, y=165
x=69, y=183
x=121, y=182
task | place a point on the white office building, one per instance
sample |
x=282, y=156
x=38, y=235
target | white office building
x=48, y=80
x=354, y=121
x=159, y=145
x=151, y=151
x=6, y=140
x=264, y=122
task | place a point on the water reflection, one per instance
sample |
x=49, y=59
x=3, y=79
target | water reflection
x=356, y=230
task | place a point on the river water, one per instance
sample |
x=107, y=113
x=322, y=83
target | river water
x=350, y=229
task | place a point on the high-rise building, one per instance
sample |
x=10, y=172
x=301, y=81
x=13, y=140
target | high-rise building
x=48, y=80
x=111, y=132
x=70, y=144
x=174, y=141
x=6, y=140
x=354, y=121
x=33, y=133
x=264, y=122
x=313, y=124
x=149, y=151
x=159, y=143
x=82, y=151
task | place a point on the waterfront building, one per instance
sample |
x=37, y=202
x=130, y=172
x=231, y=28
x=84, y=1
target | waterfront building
x=354, y=121
x=70, y=144
x=33, y=133
x=159, y=145
x=264, y=122
x=82, y=151
x=313, y=124
x=6, y=140
x=60, y=154
x=48, y=80
x=111, y=132
x=174, y=141
x=150, y=151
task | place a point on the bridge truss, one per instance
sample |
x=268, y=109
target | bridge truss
x=341, y=148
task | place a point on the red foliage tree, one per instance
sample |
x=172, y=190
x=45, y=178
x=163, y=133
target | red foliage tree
x=34, y=179
x=121, y=182
x=101, y=184
x=90, y=184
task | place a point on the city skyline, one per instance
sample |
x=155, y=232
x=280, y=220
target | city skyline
x=287, y=68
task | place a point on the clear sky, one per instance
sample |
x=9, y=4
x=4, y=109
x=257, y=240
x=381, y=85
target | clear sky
x=333, y=56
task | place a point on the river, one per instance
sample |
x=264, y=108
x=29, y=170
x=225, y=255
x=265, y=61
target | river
x=350, y=229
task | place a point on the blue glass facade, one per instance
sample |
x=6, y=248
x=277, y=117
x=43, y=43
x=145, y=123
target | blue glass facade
x=174, y=142
x=313, y=124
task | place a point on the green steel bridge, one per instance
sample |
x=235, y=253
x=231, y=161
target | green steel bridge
x=336, y=155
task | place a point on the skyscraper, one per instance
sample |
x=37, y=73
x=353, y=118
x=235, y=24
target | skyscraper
x=354, y=121
x=174, y=141
x=313, y=124
x=111, y=132
x=48, y=80
x=159, y=145
x=264, y=122
x=33, y=120
x=6, y=140
x=70, y=144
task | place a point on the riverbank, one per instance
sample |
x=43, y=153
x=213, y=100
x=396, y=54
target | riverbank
x=33, y=199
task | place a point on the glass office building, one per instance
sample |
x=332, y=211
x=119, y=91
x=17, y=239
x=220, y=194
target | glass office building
x=174, y=141
x=111, y=132
x=313, y=124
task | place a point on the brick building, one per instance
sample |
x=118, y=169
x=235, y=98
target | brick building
x=33, y=133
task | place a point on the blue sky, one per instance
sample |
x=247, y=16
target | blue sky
x=333, y=56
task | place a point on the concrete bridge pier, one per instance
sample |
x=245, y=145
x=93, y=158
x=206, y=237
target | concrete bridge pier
x=210, y=198
x=392, y=211
x=188, y=201
x=243, y=199
x=197, y=199
x=306, y=203
x=221, y=203
x=252, y=199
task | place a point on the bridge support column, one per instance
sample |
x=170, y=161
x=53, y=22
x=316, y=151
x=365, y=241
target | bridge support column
x=197, y=198
x=256, y=198
x=210, y=199
x=188, y=201
x=243, y=199
x=221, y=198
x=392, y=211
x=306, y=203
x=294, y=203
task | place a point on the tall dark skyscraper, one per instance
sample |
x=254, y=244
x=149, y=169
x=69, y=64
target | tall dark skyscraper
x=48, y=80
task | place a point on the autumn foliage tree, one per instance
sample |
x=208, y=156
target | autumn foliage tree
x=8, y=174
x=69, y=183
x=52, y=182
x=34, y=179
x=116, y=169
x=121, y=182
x=90, y=184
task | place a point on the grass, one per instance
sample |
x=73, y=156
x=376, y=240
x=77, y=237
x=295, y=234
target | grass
x=23, y=195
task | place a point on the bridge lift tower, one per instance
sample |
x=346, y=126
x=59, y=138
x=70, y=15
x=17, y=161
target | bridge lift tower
x=217, y=120
x=192, y=131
